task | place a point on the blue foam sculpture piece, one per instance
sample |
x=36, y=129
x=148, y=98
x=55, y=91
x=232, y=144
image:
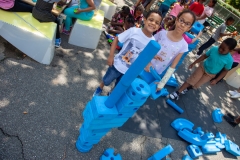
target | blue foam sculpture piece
x=139, y=90
x=232, y=148
x=175, y=106
x=120, y=44
x=222, y=137
x=162, y=153
x=191, y=137
x=197, y=27
x=147, y=76
x=199, y=131
x=126, y=109
x=186, y=157
x=100, y=110
x=181, y=123
x=154, y=95
x=210, y=149
x=194, y=151
x=208, y=136
x=172, y=82
x=83, y=148
x=217, y=115
x=219, y=145
x=127, y=101
x=136, y=68
x=108, y=154
x=155, y=74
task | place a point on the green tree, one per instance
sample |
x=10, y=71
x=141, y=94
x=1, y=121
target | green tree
x=234, y=3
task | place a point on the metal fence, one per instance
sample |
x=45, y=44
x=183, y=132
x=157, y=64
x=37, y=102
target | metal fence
x=224, y=13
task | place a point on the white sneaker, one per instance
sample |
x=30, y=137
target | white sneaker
x=237, y=95
x=232, y=93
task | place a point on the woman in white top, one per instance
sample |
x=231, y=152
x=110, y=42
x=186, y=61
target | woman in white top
x=208, y=11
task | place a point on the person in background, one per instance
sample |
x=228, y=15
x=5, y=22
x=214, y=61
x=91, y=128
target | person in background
x=236, y=60
x=137, y=13
x=83, y=12
x=129, y=22
x=42, y=11
x=220, y=32
x=197, y=7
x=214, y=60
x=15, y=6
x=165, y=6
x=208, y=11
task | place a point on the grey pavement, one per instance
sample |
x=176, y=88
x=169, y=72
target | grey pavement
x=41, y=106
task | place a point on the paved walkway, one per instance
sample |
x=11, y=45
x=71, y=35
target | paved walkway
x=41, y=107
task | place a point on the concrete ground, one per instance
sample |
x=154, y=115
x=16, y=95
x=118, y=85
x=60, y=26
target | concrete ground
x=41, y=106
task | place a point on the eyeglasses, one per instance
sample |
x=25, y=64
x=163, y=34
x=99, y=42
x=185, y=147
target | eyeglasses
x=188, y=24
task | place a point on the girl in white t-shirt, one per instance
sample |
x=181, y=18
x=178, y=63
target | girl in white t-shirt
x=208, y=11
x=172, y=45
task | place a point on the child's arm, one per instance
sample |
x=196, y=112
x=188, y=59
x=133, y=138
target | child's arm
x=112, y=51
x=225, y=34
x=169, y=72
x=200, y=59
x=222, y=74
x=196, y=38
x=117, y=30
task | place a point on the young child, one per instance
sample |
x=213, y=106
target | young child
x=118, y=18
x=137, y=13
x=128, y=23
x=173, y=46
x=165, y=6
x=214, y=60
x=85, y=13
x=218, y=34
x=208, y=11
x=236, y=60
x=177, y=8
x=135, y=40
x=197, y=7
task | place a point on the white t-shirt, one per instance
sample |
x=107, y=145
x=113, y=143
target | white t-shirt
x=169, y=50
x=73, y=3
x=134, y=42
x=208, y=11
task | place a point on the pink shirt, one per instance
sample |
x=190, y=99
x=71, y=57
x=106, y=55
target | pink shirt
x=176, y=9
x=6, y=4
x=236, y=57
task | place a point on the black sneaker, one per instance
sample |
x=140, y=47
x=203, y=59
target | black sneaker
x=230, y=121
x=230, y=115
x=174, y=95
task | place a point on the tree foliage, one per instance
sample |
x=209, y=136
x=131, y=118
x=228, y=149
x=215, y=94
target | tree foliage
x=234, y=3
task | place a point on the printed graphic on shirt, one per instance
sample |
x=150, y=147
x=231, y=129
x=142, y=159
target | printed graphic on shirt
x=130, y=53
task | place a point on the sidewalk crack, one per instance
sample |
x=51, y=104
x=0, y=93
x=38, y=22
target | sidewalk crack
x=141, y=144
x=9, y=135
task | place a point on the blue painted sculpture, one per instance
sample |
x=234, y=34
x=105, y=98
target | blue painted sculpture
x=108, y=154
x=175, y=106
x=162, y=153
x=103, y=113
x=194, y=151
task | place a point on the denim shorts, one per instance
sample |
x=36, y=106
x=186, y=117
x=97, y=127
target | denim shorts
x=112, y=74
